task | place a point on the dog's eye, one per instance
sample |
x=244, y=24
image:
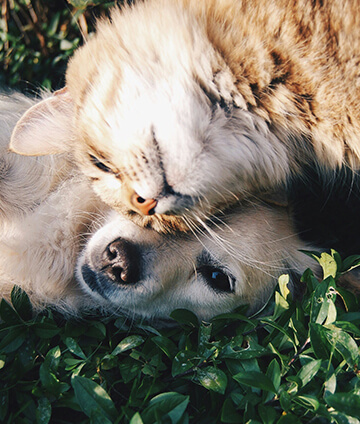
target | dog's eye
x=95, y=161
x=218, y=279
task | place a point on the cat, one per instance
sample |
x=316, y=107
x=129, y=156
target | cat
x=177, y=109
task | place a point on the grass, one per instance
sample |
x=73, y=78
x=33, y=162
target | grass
x=296, y=363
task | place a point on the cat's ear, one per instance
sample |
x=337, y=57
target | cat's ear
x=46, y=128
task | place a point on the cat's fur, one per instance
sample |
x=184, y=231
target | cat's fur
x=195, y=103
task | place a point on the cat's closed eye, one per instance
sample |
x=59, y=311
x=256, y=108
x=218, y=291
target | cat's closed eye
x=99, y=164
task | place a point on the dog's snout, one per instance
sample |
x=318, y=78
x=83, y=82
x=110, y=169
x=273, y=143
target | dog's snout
x=121, y=262
x=145, y=206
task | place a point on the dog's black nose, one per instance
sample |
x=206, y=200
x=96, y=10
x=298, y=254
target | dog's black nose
x=120, y=262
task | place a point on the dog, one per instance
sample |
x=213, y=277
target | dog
x=177, y=109
x=69, y=250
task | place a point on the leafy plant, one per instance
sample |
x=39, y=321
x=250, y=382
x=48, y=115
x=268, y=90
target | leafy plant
x=37, y=37
x=298, y=364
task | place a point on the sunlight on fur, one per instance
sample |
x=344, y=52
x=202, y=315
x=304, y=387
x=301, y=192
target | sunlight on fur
x=68, y=250
x=192, y=104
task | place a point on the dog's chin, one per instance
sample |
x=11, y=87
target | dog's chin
x=103, y=291
x=95, y=283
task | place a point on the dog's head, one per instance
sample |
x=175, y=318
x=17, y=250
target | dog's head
x=155, y=119
x=138, y=271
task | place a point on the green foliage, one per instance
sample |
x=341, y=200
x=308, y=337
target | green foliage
x=297, y=365
x=38, y=36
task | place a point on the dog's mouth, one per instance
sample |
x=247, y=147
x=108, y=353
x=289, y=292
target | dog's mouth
x=96, y=282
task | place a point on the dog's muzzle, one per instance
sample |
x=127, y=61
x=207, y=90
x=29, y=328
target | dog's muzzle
x=119, y=265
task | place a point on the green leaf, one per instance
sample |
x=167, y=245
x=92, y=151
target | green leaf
x=330, y=385
x=46, y=329
x=350, y=263
x=212, y=379
x=108, y=362
x=285, y=401
x=322, y=305
x=348, y=403
x=13, y=340
x=338, y=261
x=93, y=399
x=171, y=404
x=129, y=369
x=267, y=414
x=49, y=381
x=255, y=379
x=136, y=419
x=327, y=262
x=348, y=298
x=344, y=344
x=48, y=370
x=166, y=345
x=8, y=313
x=229, y=414
x=43, y=412
x=52, y=359
x=274, y=374
x=74, y=348
x=349, y=327
x=283, y=286
x=285, y=332
x=128, y=343
x=52, y=27
x=204, y=338
x=21, y=303
x=308, y=402
x=308, y=371
x=233, y=350
x=184, y=361
x=183, y=316
x=72, y=363
x=281, y=305
x=319, y=341
x=340, y=418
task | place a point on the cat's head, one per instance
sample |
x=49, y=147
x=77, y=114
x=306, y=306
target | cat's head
x=154, y=119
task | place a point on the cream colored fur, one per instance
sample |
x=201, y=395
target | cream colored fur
x=251, y=248
x=53, y=228
x=45, y=208
x=195, y=103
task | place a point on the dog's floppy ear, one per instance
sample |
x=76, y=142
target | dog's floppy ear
x=46, y=128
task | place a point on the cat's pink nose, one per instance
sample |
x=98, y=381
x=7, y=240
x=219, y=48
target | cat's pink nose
x=145, y=206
